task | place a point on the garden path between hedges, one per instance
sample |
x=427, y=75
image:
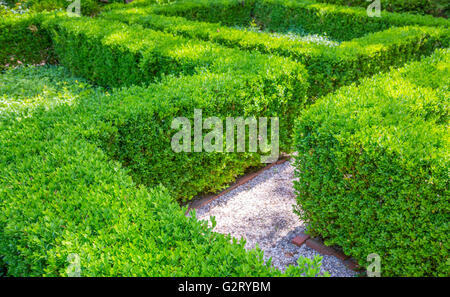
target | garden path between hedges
x=261, y=212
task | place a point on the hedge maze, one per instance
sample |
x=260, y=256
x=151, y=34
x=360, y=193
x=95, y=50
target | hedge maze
x=87, y=165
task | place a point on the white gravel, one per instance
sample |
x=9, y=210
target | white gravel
x=261, y=212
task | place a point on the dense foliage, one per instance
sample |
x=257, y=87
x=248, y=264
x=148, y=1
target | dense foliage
x=61, y=195
x=88, y=167
x=433, y=7
x=111, y=53
x=23, y=41
x=137, y=130
x=329, y=67
x=88, y=7
x=373, y=168
x=337, y=22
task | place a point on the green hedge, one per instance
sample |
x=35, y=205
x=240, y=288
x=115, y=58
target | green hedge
x=214, y=32
x=113, y=54
x=433, y=7
x=88, y=7
x=23, y=40
x=337, y=22
x=373, y=168
x=341, y=23
x=368, y=55
x=134, y=127
x=22, y=89
x=228, y=12
x=61, y=195
x=328, y=67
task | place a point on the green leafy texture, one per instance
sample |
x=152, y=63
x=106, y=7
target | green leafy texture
x=373, y=168
x=329, y=67
x=113, y=54
x=60, y=195
x=22, y=91
x=134, y=126
x=88, y=7
x=433, y=7
x=337, y=22
x=23, y=41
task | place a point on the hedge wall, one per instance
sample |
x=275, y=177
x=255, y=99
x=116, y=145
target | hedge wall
x=371, y=54
x=61, y=195
x=433, y=7
x=88, y=7
x=136, y=129
x=341, y=23
x=23, y=40
x=337, y=22
x=113, y=54
x=373, y=168
x=329, y=67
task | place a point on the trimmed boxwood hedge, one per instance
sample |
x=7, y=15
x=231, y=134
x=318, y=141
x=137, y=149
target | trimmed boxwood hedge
x=88, y=7
x=433, y=7
x=61, y=195
x=373, y=168
x=368, y=55
x=23, y=41
x=337, y=22
x=134, y=127
x=113, y=54
x=341, y=23
x=328, y=67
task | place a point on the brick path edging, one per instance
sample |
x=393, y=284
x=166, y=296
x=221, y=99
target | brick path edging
x=325, y=250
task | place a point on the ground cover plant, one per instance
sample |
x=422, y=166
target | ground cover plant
x=88, y=167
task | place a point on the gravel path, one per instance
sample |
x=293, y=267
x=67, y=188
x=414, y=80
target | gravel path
x=260, y=211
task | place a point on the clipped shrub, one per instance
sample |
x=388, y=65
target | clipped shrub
x=433, y=7
x=62, y=199
x=337, y=22
x=340, y=23
x=23, y=40
x=376, y=52
x=88, y=7
x=134, y=127
x=229, y=12
x=329, y=67
x=373, y=168
x=214, y=32
x=113, y=54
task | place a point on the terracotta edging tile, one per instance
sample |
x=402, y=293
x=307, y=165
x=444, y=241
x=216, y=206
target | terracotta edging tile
x=325, y=250
x=300, y=239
